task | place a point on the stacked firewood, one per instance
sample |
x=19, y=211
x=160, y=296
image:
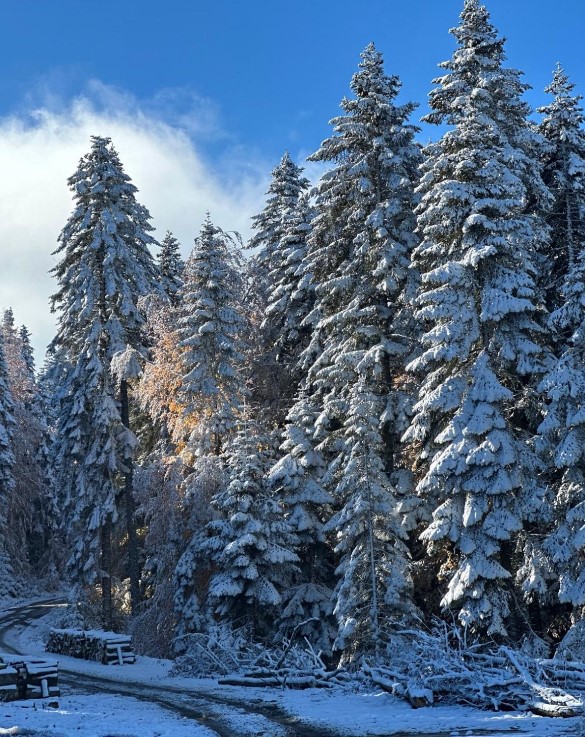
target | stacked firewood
x=41, y=677
x=8, y=682
x=108, y=648
x=24, y=676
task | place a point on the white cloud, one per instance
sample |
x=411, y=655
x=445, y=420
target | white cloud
x=161, y=144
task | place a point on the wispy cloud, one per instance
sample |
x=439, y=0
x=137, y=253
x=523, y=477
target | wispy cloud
x=164, y=144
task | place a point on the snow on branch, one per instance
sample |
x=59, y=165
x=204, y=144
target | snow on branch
x=441, y=666
x=126, y=365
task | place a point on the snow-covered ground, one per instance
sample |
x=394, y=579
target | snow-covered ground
x=356, y=714
x=95, y=716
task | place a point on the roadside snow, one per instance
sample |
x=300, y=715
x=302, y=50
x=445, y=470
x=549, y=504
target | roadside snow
x=355, y=714
x=95, y=716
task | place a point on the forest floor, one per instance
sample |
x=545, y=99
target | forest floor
x=144, y=700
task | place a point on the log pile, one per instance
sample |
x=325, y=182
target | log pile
x=42, y=677
x=108, y=648
x=288, y=678
x=437, y=667
x=23, y=676
x=8, y=683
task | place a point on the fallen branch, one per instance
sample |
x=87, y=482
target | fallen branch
x=440, y=667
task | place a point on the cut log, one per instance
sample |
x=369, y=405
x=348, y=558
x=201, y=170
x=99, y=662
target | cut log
x=8, y=692
x=419, y=697
x=8, y=683
x=286, y=677
x=543, y=709
x=7, y=676
x=267, y=681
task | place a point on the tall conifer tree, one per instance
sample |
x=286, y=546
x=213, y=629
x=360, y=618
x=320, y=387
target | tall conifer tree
x=7, y=582
x=358, y=259
x=564, y=174
x=171, y=267
x=105, y=266
x=481, y=315
x=279, y=241
x=285, y=188
x=251, y=545
x=290, y=293
x=562, y=433
x=211, y=329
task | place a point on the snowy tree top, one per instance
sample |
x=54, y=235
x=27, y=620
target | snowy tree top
x=105, y=261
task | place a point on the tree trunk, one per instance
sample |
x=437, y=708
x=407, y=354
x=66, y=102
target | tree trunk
x=387, y=432
x=133, y=569
x=106, y=573
x=374, y=583
x=516, y=624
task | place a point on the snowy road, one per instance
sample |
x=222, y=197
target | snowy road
x=219, y=716
x=143, y=701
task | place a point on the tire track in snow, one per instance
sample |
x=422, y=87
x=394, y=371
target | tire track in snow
x=226, y=717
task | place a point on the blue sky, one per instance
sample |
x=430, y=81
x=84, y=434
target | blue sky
x=275, y=70
x=201, y=98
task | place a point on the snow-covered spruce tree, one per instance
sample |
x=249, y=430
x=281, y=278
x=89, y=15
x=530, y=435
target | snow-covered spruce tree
x=564, y=173
x=105, y=266
x=374, y=585
x=171, y=267
x=481, y=52
x=290, y=292
x=27, y=350
x=13, y=349
x=285, y=188
x=211, y=330
x=294, y=480
x=358, y=260
x=480, y=313
x=159, y=483
x=562, y=432
x=7, y=582
x=251, y=545
x=279, y=240
x=362, y=237
x=29, y=508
